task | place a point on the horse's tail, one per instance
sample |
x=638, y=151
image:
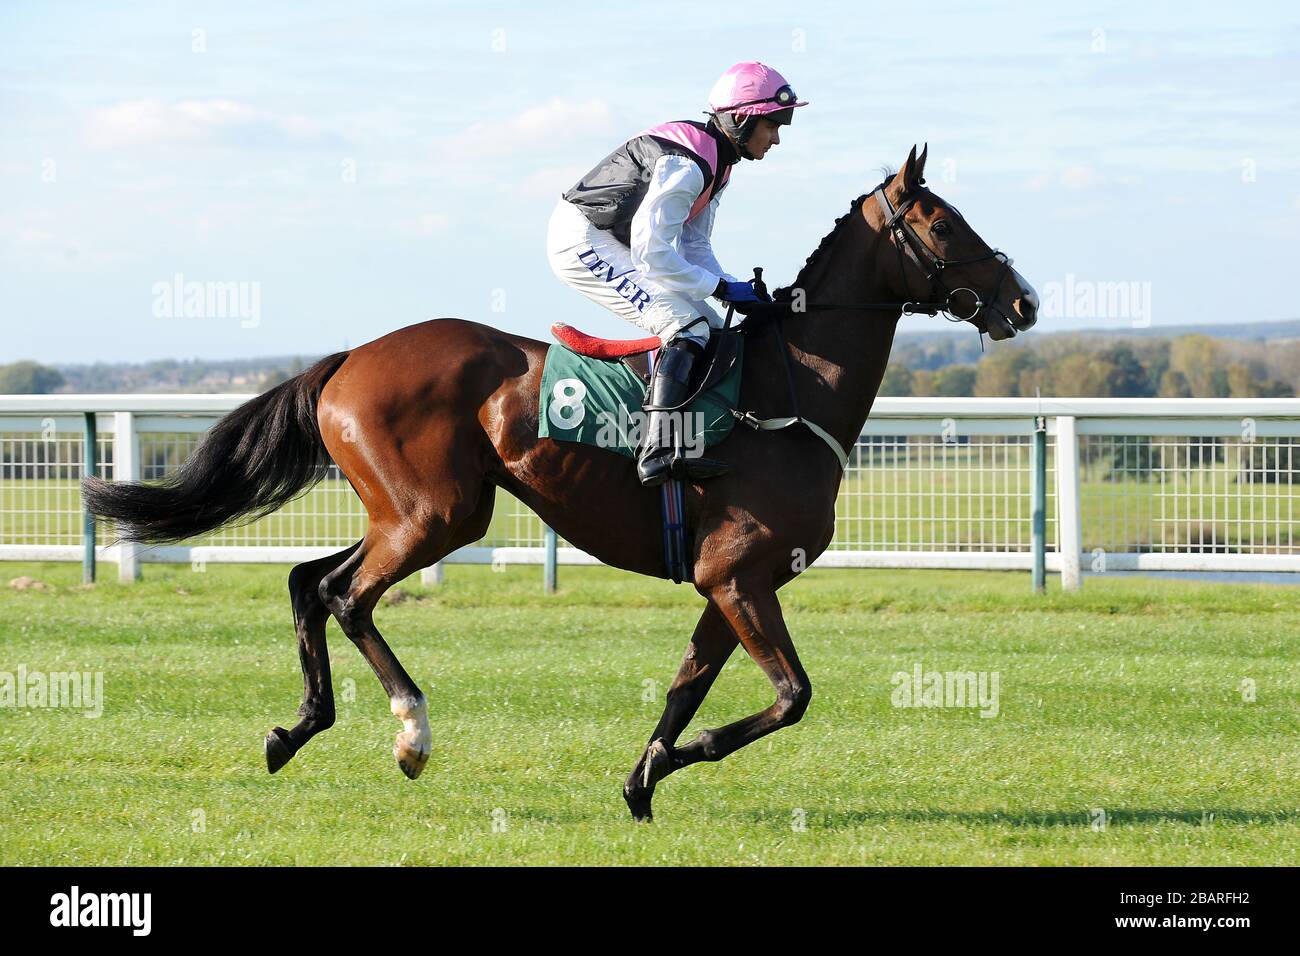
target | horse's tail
x=254, y=460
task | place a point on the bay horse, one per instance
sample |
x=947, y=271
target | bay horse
x=427, y=421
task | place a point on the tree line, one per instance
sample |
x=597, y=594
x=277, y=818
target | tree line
x=1059, y=364
x=1073, y=366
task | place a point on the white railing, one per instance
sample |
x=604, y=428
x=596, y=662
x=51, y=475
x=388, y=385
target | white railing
x=1132, y=484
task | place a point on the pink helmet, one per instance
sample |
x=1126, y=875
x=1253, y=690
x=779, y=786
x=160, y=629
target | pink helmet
x=748, y=90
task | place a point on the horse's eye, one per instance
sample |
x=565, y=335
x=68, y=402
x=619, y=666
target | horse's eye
x=941, y=229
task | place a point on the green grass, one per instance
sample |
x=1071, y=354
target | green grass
x=1124, y=697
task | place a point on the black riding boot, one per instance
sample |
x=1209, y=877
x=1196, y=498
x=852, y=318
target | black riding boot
x=668, y=388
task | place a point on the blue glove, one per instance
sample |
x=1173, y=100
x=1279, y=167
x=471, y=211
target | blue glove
x=735, y=292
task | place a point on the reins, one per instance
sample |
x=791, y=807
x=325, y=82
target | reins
x=907, y=244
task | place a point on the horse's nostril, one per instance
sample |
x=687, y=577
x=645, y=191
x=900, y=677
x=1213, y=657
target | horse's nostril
x=1027, y=304
x=1027, y=307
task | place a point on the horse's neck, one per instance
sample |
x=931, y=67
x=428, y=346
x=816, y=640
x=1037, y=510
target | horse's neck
x=839, y=357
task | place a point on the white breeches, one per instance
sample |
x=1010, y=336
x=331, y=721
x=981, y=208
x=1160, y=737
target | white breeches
x=600, y=267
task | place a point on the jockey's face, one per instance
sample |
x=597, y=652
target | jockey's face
x=766, y=135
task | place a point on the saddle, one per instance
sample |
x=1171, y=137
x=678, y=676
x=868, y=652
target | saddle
x=720, y=354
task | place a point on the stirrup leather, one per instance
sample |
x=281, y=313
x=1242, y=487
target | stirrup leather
x=668, y=391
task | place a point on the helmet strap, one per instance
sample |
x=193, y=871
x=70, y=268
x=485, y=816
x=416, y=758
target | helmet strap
x=741, y=146
x=747, y=130
x=741, y=150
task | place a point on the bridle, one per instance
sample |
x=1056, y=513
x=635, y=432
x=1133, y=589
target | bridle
x=910, y=245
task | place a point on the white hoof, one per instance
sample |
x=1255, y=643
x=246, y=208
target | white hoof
x=414, y=744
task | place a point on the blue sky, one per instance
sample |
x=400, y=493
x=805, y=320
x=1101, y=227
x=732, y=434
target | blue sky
x=367, y=166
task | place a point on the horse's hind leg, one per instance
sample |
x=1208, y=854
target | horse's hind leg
x=309, y=616
x=390, y=551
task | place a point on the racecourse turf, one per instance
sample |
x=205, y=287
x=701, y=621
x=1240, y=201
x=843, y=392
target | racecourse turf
x=1139, y=722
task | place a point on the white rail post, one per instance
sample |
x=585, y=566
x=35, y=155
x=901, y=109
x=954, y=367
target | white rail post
x=550, y=560
x=126, y=467
x=1068, y=523
x=432, y=575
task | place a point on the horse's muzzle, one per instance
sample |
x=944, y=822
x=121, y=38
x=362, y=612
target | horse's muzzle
x=1004, y=323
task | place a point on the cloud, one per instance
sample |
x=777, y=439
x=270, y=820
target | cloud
x=423, y=225
x=433, y=224
x=548, y=182
x=1073, y=178
x=554, y=122
x=40, y=249
x=1078, y=178
x=1081, y=177
x=216, y=122
x=1090, y=210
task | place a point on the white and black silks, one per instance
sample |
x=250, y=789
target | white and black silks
x=640, y=242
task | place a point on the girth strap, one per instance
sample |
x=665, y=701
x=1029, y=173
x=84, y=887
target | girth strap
x=773, y=424
x=785, y=421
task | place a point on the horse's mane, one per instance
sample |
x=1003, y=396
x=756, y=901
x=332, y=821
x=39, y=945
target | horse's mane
x=785, y=293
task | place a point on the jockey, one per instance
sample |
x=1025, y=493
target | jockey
x=634, y=235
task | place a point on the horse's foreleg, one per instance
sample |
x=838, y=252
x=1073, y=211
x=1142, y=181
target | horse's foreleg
x=309, y=616
x=754, y=614
x=710, y=646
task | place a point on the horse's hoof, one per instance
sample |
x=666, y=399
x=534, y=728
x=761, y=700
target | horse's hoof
x=279, y=749
x=409, y=757
x=639, y=804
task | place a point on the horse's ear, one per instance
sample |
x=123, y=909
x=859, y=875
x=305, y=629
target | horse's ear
x=920, y=163
x=910, y=174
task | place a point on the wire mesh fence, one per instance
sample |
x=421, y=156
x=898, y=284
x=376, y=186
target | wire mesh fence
x=911, y=487
x=936, y=494
x=40, y=471
x=1188, y=494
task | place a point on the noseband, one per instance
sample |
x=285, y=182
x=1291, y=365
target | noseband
x=910, y=245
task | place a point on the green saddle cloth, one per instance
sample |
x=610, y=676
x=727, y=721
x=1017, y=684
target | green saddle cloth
x=598, y=402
